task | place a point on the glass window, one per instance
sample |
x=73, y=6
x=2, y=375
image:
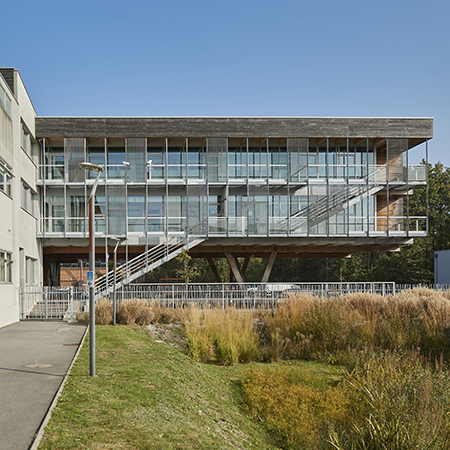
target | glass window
x=5, y=179
x=5, y=267
x=136, y=157
x=237, y=158
x=74, y=150
x=28, y=199
x=156, y=150
x=30, y=270
x=155, y=205
x=116, y=157
x=176, y=158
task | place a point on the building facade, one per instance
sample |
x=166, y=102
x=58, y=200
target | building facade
x=20, y=250
x=270, y=187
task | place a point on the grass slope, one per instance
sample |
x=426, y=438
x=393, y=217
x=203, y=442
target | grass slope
x=149, y=395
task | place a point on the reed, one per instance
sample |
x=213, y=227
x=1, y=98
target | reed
x=225, y=336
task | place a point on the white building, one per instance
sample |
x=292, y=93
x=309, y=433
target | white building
x=20, y=252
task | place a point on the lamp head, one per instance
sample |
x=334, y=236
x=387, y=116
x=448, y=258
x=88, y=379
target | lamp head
x=126, y=163
x=90, y=166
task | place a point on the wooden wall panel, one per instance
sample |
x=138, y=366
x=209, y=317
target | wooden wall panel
x=420, y=128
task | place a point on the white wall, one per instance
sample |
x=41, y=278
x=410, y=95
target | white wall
x=17, y=227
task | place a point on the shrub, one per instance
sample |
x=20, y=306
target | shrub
x=164, y=314
x=308, y=327
x=398, y=403
x=226, y=336
x=135, y=312
x=103, y=312
x=300, y=415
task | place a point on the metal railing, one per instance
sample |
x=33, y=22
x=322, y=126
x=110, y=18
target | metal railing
x=254, y=295
x=49, y=302
x=65, y=303
x=143, y=263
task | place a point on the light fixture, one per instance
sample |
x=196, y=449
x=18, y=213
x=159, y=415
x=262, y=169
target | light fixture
x=90, y=166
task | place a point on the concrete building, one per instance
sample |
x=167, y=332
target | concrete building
x=20, y=250
x=221, y=187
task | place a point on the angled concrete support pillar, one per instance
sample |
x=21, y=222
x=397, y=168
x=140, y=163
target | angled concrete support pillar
x=269, y=266
x=234, y=267
x=214, y=270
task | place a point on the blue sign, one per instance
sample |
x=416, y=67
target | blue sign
x=90, y=278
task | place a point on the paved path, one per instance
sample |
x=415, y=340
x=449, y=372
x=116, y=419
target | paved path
x=34, y=357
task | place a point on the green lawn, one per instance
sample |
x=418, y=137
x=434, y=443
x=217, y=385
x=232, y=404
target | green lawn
x=149, y=395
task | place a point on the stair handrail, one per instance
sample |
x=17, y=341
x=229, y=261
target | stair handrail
x=169, y=245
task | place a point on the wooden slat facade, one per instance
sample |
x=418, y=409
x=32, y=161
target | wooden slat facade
x=418, y=129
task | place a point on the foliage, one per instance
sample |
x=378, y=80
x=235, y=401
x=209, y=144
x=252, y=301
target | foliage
x=186, y=270
x=299, y=414
x=225, y=336
x=135, y=312
x=308, y=327
x=399, y=403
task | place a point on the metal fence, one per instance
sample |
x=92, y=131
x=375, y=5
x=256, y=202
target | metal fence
x=51, y=302
x=254, y=295
x=65, y=303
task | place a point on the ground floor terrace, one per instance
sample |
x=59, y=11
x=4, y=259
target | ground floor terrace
x=66, y=264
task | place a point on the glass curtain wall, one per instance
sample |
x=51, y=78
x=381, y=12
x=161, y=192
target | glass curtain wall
x=237, y=159
x=197, y=208
x=243, y=186
x=96, y=154
x=156, y=213
x=216, y=159
x=257, y=158
x=137, y=170
x=176, y=158
x=176, y=209
x=117, y=208
x=196, y=167
x=255, y=209
x=156, y=158
x=54, y=160
x=77, y=211
x=115, y=157
x=74, y=152
x=136, y=211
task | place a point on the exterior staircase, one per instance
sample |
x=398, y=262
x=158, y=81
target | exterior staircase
x=145, y=262
x=341, y=199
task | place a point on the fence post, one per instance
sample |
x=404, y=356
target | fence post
x=45, y=302
x=71, y=303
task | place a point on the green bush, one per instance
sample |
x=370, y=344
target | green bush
x=299, y=415
x=399, y=403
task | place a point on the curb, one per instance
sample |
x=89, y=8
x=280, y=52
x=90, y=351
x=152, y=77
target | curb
x=40, y=431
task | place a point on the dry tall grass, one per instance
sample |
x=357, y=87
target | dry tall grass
x=310, y=327
x=226, y=336
x=399, y=403
x=135, y=312
x=305, y=327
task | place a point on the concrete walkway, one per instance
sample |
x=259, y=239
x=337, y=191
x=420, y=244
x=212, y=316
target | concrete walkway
x=34, y=358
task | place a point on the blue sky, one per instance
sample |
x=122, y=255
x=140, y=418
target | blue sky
x=234, y=58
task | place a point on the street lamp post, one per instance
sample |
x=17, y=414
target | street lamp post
x=118, y=242
x=88, y=166
x=126, y=164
